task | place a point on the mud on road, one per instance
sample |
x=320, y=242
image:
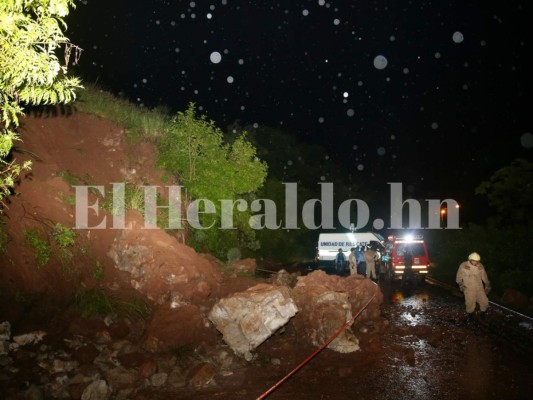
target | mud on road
x=425, y=349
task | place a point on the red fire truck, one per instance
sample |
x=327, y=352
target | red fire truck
x=394, y=255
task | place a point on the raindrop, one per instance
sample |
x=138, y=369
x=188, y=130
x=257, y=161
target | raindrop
x=406, y=71
x=289, y=162
x=322, y=178
x=241, y=61
x=336, y=21
x=458, y=37
x=380, y=62
x=354, y=147
x=360, y=167
x=255, y=125
x=434, y=126
x=305, y=13
x=230, y=79
x=321, y=120
x=215, y=57
x=526, y=140
x=437, y=55
x=381, y=151
x=392, y=38
x=350, y=112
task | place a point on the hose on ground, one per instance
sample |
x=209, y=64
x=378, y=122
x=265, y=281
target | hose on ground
x=337, y=333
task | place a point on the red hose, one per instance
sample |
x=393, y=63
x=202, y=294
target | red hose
x=264, y=395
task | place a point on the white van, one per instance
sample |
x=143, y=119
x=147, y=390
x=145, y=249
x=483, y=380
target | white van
x=330, y=243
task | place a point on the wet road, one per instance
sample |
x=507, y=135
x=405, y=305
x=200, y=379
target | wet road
x=432, y=352
x=428, y=351
x=423, y=349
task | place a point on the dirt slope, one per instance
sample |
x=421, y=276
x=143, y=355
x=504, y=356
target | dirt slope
x=80, y=149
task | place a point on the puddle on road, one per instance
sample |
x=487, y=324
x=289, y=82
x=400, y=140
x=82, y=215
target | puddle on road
x=414, y=300
x=409, y=303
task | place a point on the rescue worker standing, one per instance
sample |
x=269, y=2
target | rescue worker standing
x=340, y=260
x=352, y=262
x=474, y=283
x=370, y=258
x=360, y=259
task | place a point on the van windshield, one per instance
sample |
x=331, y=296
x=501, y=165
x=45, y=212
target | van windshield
x=417, y=249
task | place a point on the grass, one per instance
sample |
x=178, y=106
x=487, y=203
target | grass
x=4, y=238
x=139, y=123
x=63, y=236
x=134, y=200
x=96, y=302
x=69, y=177
x=65, y=239
x=68, y=199
x=41, y=247
x=98, y=272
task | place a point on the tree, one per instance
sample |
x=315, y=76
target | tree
x=510, y=191
x=31, y=31
x=193, y=149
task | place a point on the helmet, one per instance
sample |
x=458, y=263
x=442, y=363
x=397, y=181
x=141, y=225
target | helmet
x=474, y=257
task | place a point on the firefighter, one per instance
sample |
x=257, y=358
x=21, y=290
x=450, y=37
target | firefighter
x=474, y=283
x=370, y=258
x=352, y=261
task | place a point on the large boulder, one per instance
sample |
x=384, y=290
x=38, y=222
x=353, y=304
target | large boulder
x=159, y=265
x=328, y=302
x=246, y=319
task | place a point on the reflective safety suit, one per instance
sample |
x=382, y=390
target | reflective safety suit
x=470, y=278
x=353, y=263
x=370, y=258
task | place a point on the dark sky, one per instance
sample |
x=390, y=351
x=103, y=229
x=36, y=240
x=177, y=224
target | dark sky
x=451, y=105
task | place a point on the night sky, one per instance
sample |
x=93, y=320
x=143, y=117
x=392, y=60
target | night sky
x=434, y=94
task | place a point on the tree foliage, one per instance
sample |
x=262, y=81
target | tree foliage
x=503, y=239
x=510, y=192
x=295, y=161
x=31, y=32
x=194, y=150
